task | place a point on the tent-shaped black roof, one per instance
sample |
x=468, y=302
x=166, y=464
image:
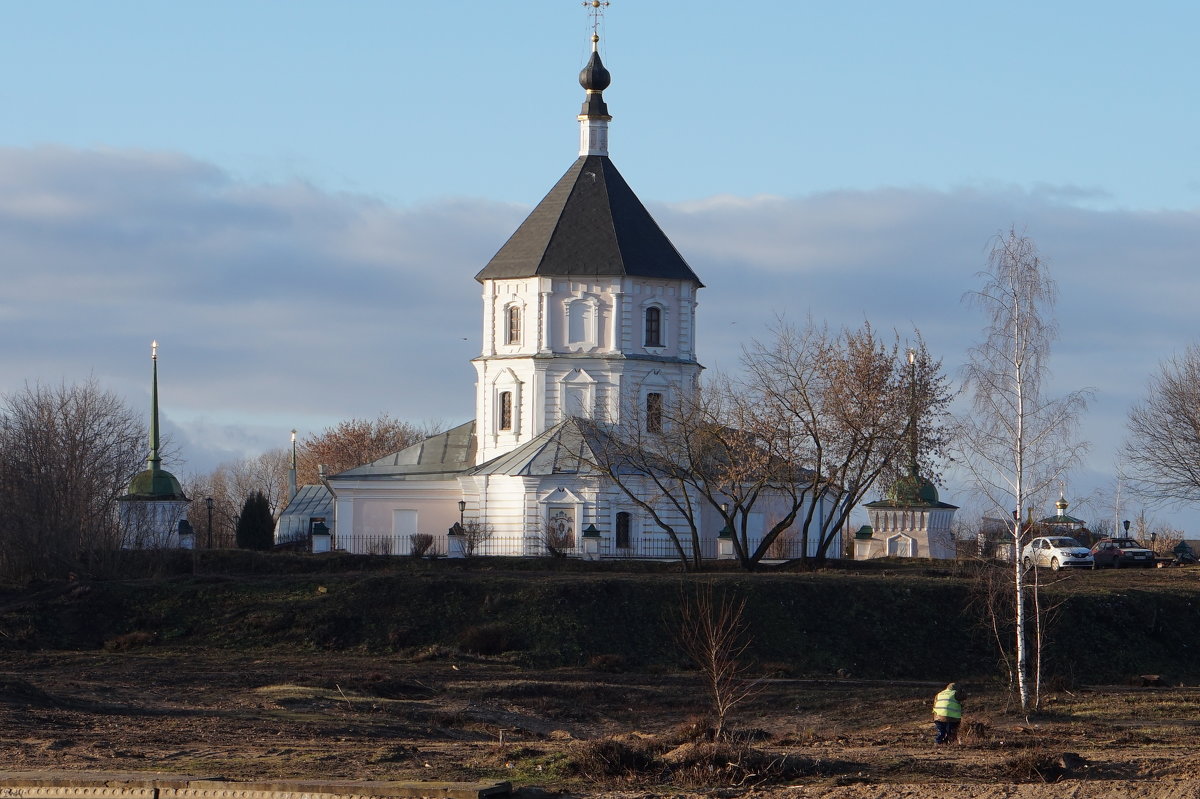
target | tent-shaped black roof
x=591, y=224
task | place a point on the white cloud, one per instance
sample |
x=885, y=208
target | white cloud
x=282, y=302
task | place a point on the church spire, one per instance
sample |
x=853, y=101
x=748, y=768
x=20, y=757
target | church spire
x=914, y=441
x=155, y=483
x=594, y=78
x=292, y=470
x=154, y=461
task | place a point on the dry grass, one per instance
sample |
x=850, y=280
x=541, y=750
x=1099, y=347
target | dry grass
x=257, y=716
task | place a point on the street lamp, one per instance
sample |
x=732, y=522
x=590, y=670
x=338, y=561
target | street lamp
x=727, y=530
x=1125, y=524
x=462, y=509
x=208, y=504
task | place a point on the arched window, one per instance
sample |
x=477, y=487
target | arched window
x=624, y=523
x=506, y=410
x=654, y=326
x=654, y=410
x=513, y=333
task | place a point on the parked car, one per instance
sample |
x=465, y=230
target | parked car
x=1121, y=553
x=1057, y=552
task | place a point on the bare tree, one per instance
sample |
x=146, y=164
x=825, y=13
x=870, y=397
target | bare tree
x=226, y=506
x=266, y=473
x=475, y=535
x=817, y=420
x=712, y=632
x=663, y=467
x=1162, y=449
x=67, y=453
x=833, y=414
x=229, y=486
x=1017, y=443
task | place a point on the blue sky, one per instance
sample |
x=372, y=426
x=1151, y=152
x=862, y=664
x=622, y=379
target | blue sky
x=289, y=195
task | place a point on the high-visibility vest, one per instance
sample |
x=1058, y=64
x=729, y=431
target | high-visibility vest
x=947, y=705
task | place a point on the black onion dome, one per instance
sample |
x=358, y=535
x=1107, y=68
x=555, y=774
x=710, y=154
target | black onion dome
x=594, y=77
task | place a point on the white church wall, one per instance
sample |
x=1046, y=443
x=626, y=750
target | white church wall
x=580, y=321
x=500, y=503
x=150, y=524
x=381, y=520
x=911, y=532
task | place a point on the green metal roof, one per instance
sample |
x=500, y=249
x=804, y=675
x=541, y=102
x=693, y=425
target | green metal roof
x=155, y=484
x=911, y=491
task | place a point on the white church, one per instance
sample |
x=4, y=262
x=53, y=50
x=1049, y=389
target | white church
x=589, y=315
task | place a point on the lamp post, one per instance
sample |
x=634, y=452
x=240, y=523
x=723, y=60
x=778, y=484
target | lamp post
x=1125, y=524
x=462, y=509
x=208, y=504
x=725, y=536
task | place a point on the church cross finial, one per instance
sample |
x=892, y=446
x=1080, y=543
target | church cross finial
x=596, y=12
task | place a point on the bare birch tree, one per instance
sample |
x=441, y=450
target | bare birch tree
x=1162, y=449
x=1017, y=443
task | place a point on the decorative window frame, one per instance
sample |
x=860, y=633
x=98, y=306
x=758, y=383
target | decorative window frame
x=577, y=381
x=653, y=383
x=895, y=546
x=506, y=382
x=660, y=311
x=589, y=306
x=512, y=324
x=513, y=306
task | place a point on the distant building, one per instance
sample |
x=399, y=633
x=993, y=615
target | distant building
x=310, y=505
x=1062, y=524
x=151, y=512
x=910, y=521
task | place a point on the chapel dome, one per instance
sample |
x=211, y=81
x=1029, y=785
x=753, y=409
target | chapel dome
x=913, y=490
x=155, y=484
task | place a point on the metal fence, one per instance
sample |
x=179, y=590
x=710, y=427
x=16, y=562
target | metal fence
x=654, y=546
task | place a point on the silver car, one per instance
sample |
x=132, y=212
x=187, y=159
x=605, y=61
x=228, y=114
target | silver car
x=1057, y=552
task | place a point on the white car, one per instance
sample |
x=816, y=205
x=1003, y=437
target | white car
x=1057, y=552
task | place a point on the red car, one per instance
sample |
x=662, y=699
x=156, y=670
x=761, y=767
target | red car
x=1121, y=553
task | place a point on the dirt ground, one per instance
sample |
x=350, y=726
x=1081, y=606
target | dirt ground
x=566, y=730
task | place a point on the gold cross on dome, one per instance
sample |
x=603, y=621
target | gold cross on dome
x=596, y=11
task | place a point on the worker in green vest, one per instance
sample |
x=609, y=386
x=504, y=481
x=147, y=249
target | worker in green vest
x=947, y=713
